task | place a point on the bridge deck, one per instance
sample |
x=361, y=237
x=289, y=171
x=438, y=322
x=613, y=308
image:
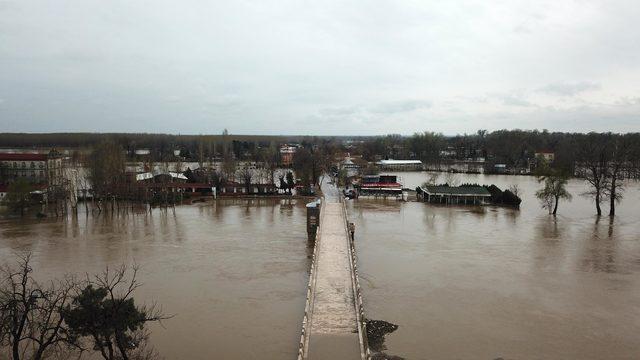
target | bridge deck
x=333, y=332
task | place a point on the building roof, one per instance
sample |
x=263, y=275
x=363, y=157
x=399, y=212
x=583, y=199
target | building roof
x=177, y=175
x=456, y=190
x=399, y=162
x=22, y=157
x=149, y=175
x=144, y=176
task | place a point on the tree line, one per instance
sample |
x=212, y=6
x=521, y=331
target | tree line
x=604, y=161
x=511, y=147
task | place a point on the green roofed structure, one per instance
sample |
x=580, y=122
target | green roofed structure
x=463, y=195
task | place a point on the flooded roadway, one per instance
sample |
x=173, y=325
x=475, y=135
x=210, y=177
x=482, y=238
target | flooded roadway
x=487, y=282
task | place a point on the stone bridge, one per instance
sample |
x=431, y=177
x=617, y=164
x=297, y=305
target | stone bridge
x=333, y=325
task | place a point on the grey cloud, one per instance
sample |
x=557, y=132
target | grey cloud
x=339, y=111
x=510, y=100
x=201, y=66
x=569, y=89
x=401, y=106
x=522, y=29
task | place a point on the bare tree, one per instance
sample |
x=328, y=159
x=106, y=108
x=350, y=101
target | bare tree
x=104, y=312
x=31, y=325
x=593, y=166
x=19, y=195
x=246, y=175
x=514, y=188
x=432, y=179
x=106, y=170
x=452, y=179
x=620, y=158
x=228, y=166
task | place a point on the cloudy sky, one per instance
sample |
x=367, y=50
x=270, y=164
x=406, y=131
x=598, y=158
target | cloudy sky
x=319, y=67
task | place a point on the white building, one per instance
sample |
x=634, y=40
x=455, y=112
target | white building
x=400, y=165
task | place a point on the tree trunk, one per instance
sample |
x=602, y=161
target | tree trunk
x=121, y=347
x=16, y=349
x=612, y=205
x=598, y=209
x=555, y=207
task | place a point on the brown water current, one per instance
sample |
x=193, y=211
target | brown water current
x=234, y=272
x=491, y=282
x=460, y=282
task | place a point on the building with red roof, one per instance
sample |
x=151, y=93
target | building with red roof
x=37, y=168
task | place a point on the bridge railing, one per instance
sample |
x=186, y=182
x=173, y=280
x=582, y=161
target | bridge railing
x=365, y=353
x=303, y=346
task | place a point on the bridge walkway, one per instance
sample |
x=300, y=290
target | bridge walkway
x=333, y=331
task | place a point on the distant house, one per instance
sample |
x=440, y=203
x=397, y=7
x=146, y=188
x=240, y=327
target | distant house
x=286, y=154
x=500, y=168
x=237, y=189
x=349, y=166
x=400, y=165
x=142, y=152
x=449, y=152
x=379, y=185
x=548, y=155
x=464, y=195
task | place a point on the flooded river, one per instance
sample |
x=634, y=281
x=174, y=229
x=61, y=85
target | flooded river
x=461, y=282
x=489, y=282
x=234, y=272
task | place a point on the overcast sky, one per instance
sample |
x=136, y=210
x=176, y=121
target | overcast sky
x=319, y=67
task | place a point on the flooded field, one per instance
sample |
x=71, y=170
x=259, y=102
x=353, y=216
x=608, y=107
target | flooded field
x=489, y=282
x=234, y=272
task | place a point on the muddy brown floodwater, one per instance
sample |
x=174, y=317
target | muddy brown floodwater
x=460, y=282
x=488, y=282
x=234, y=272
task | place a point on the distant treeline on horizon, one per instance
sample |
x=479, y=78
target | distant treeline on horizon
x=89, y=139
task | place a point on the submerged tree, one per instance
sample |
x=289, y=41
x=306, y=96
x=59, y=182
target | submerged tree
x=105, y=312
x=554, y=189
x=593, y=166
x=106, y=166
x=620, y=155
x=31, y=325
x=66, y=318
x=290, y=181
x=19, y=195
x=246, y=175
